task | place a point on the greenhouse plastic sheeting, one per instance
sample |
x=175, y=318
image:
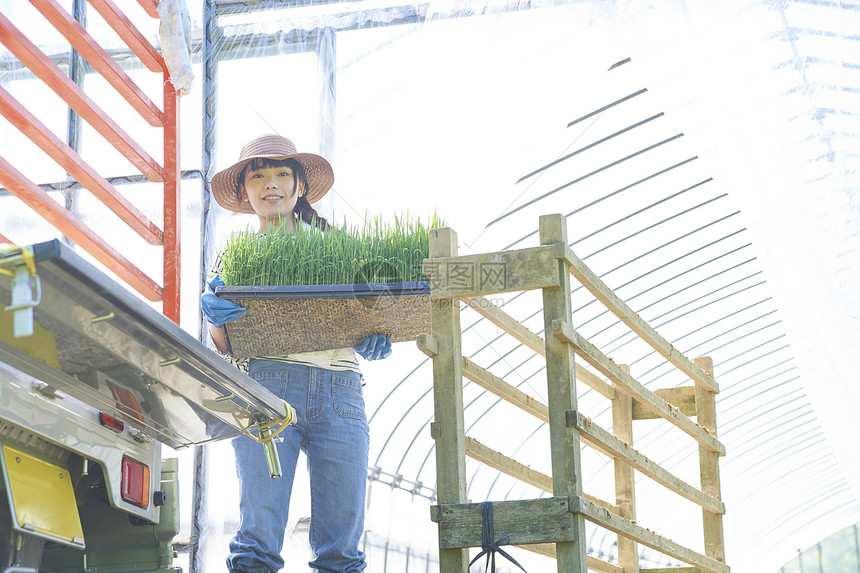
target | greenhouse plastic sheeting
x=704, y=156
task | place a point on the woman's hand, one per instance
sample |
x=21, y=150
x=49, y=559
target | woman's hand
x=375, y=347
x=219, y=311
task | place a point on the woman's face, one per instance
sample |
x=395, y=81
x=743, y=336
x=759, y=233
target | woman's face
x=272, y=193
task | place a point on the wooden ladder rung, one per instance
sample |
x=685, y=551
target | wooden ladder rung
x=529, y=521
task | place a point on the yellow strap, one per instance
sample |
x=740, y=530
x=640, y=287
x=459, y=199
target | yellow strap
x=281, y=425
x=6, y=247
x=24, y=252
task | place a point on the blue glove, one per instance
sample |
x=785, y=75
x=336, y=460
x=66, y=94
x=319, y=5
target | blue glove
x=375, y=347
x=215, y=282
x=219, y=311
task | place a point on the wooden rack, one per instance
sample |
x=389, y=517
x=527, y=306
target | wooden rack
x=556, y=525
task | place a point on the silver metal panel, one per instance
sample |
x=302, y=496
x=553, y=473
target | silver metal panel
x=53, y=424
x=100, y=344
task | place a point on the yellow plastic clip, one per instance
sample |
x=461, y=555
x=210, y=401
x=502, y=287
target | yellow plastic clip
x=268, y=430
x=14, y=252
x=4, y=248
x=7, y=248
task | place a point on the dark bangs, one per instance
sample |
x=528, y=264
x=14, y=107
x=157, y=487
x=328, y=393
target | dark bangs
x=264, y=162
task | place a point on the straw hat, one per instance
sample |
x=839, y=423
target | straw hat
x=225, y=183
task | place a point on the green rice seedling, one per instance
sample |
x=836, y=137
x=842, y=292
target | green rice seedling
x=377, y=251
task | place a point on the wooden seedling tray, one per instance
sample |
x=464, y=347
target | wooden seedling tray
x=289, y=319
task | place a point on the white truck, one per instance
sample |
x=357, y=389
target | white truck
x=92, y=382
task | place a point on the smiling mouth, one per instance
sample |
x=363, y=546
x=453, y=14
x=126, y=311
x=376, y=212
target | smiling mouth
x=272, y=197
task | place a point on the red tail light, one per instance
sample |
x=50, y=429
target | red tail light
x=111, y=422
x=135, y=482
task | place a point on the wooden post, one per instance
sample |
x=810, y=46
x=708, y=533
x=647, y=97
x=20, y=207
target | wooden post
x=564, y=442
x=709, y=464
x=448, y=427
x=625, y=496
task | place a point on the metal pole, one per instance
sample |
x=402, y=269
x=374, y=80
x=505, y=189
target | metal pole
x=210, y=130
x=385, y=557
x=820, y=564
x=76, y=74
x=325, y=44
x=857, y=547
x=210, y=67
x=73, y=124
x=198, y=511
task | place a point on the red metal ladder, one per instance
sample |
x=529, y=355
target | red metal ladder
x=163, y=170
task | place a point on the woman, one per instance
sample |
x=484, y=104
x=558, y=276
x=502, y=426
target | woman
x=279, y=185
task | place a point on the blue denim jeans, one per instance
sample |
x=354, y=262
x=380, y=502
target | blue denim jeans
x=332, y=430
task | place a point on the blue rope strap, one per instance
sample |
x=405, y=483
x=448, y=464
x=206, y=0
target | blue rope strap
x=488, y=546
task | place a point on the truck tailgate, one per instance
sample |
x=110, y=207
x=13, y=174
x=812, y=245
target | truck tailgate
x=96, y=341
